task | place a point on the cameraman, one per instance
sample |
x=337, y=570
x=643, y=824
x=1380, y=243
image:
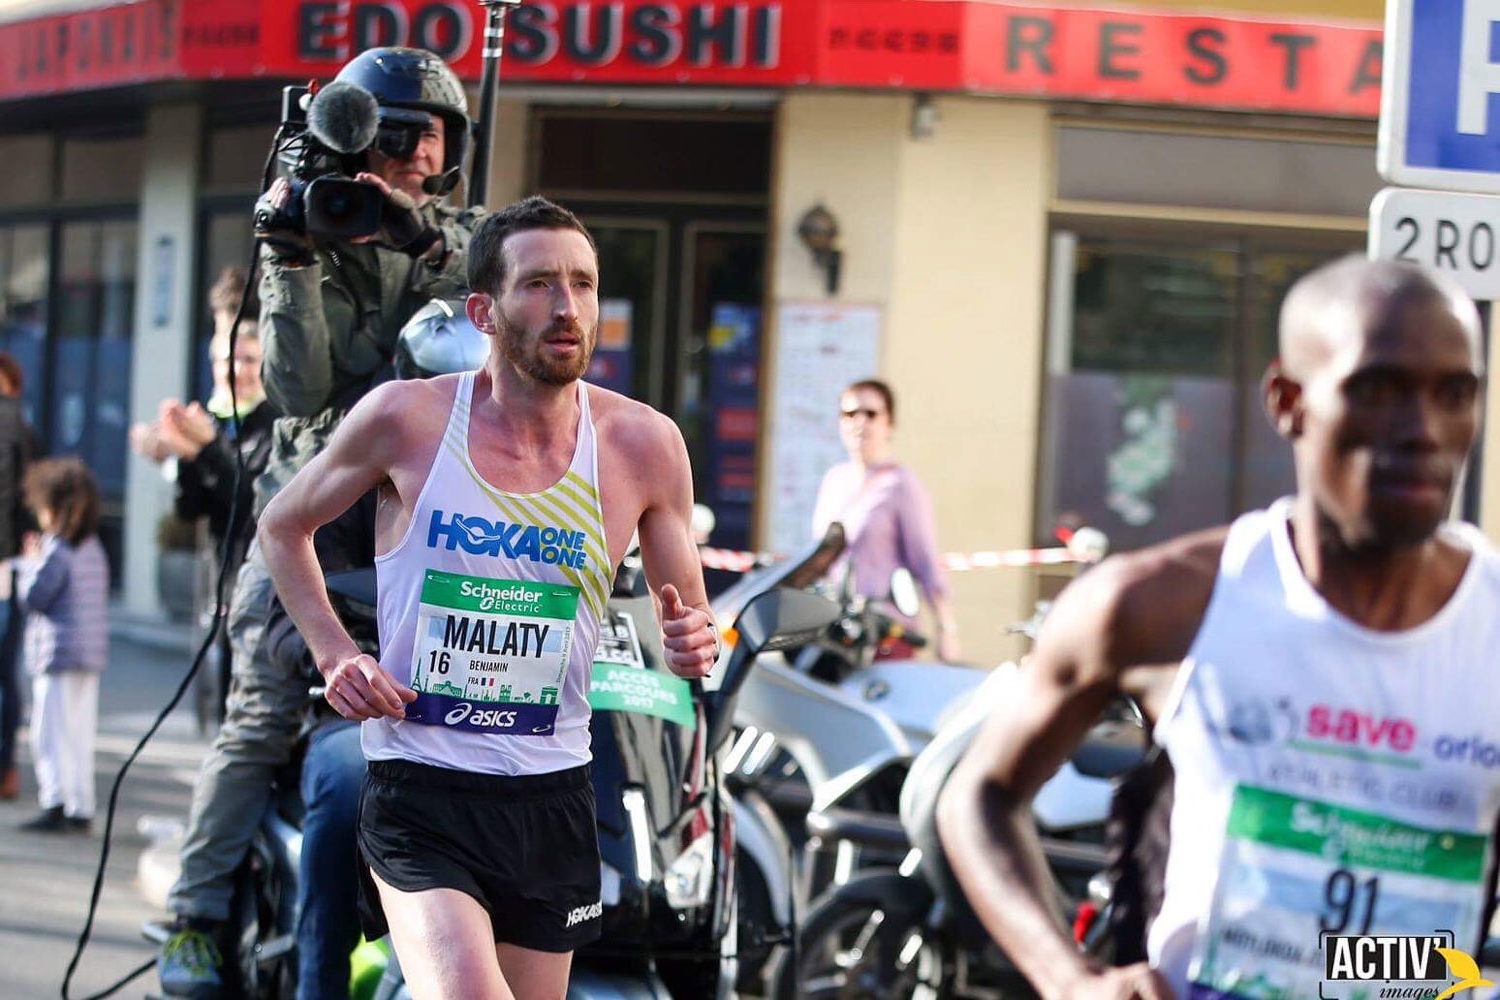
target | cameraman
x=331, y=313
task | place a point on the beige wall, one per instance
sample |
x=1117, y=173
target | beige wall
x=946, y=234
x=1489, y=455
x=508, y=141
x=843, y=151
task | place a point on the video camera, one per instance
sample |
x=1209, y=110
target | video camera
x=325, y=134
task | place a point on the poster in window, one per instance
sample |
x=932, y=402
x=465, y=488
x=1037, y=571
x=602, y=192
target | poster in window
x=820, y=348
x=733, y=418
x=613, y=363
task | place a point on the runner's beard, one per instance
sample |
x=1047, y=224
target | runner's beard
x=531, y=359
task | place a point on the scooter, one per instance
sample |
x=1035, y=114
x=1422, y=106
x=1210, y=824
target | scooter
x=908, y=930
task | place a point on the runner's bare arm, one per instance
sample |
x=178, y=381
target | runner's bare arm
x=359, y=457
x=1122, y=628
x=668, y=554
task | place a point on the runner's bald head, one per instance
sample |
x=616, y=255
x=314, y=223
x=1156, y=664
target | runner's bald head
x=1338, y=304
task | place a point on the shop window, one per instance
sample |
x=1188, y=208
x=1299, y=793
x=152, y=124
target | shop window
x=1209, y=171
x=1154, y=424
x=102, y=169
x=717, y=156
x=28, y=170
x=24, y=268
x=90, y=395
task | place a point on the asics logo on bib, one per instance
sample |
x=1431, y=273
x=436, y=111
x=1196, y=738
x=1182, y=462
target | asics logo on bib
x=579, y=914
x=549, y=545
x=486, y=718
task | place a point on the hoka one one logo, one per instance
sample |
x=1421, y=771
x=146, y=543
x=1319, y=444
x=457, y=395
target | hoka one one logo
x=579, y=914
x=551, y=546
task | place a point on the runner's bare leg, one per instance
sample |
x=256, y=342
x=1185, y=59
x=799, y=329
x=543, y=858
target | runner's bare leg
x=532, y=974
x=445, y=942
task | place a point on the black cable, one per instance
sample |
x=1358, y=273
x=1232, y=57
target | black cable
x=220, y=613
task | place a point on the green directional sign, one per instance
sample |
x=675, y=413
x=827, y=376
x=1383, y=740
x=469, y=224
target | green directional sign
x=620, y=687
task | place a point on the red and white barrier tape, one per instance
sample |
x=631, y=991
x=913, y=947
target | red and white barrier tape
x=729, y=559
x=958, y=562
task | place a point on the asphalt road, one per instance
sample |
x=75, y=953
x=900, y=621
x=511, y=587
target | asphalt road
x=46, y=879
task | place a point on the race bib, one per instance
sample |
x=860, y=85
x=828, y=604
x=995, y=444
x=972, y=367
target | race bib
x=1293, y=869
x=491, y=655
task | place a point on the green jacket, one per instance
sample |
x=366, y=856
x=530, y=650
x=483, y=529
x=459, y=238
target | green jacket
x=328, y=332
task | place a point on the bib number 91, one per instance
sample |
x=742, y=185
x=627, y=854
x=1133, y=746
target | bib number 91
x=1347, y=900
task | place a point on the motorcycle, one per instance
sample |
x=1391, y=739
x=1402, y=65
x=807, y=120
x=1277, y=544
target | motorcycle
x=822, y=726
x=908, y=930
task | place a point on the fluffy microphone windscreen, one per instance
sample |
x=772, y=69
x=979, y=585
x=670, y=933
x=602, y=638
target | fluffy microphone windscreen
x=344, y=117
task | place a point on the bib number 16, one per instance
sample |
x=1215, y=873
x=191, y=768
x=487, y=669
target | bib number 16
x=439, y=661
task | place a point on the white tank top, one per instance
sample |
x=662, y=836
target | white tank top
x=489, y=608
x=1326, y=776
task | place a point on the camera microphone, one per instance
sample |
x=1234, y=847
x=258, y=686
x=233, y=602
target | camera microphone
x=344, y=117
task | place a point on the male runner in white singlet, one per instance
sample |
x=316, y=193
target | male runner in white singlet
x=508, y=497
x=1321, y=676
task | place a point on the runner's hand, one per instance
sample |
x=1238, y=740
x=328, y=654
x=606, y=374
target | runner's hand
x=686, y=636
x=359, y=688
x=1132, y=982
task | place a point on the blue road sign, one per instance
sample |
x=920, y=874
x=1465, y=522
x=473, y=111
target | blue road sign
x=1440, y=104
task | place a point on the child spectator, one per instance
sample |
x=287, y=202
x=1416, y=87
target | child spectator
x=62, y=585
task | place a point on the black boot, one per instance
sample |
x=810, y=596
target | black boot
x=47, y=821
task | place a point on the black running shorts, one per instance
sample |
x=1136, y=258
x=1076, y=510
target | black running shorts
x=524, y=847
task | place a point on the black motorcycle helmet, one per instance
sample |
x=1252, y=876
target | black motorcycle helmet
x=403, y=79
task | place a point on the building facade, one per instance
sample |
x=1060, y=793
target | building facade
x=1062, y=233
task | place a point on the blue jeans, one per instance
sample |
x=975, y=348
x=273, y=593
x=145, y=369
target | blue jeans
x=11, y=626
x=328, y=884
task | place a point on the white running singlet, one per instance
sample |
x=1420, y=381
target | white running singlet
x=1327, y=777
x=489, y=608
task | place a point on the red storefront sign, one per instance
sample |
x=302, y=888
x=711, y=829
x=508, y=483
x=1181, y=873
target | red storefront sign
x=1119, y=54
x=975, y=46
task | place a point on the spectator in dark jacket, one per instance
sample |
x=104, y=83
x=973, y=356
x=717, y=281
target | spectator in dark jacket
x=17, y=447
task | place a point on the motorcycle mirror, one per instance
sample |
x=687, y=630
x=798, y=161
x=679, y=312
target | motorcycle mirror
x=773, y=620
x=782, y=617
x=904, y=592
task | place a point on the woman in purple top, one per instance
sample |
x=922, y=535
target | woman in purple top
x=885, y=511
